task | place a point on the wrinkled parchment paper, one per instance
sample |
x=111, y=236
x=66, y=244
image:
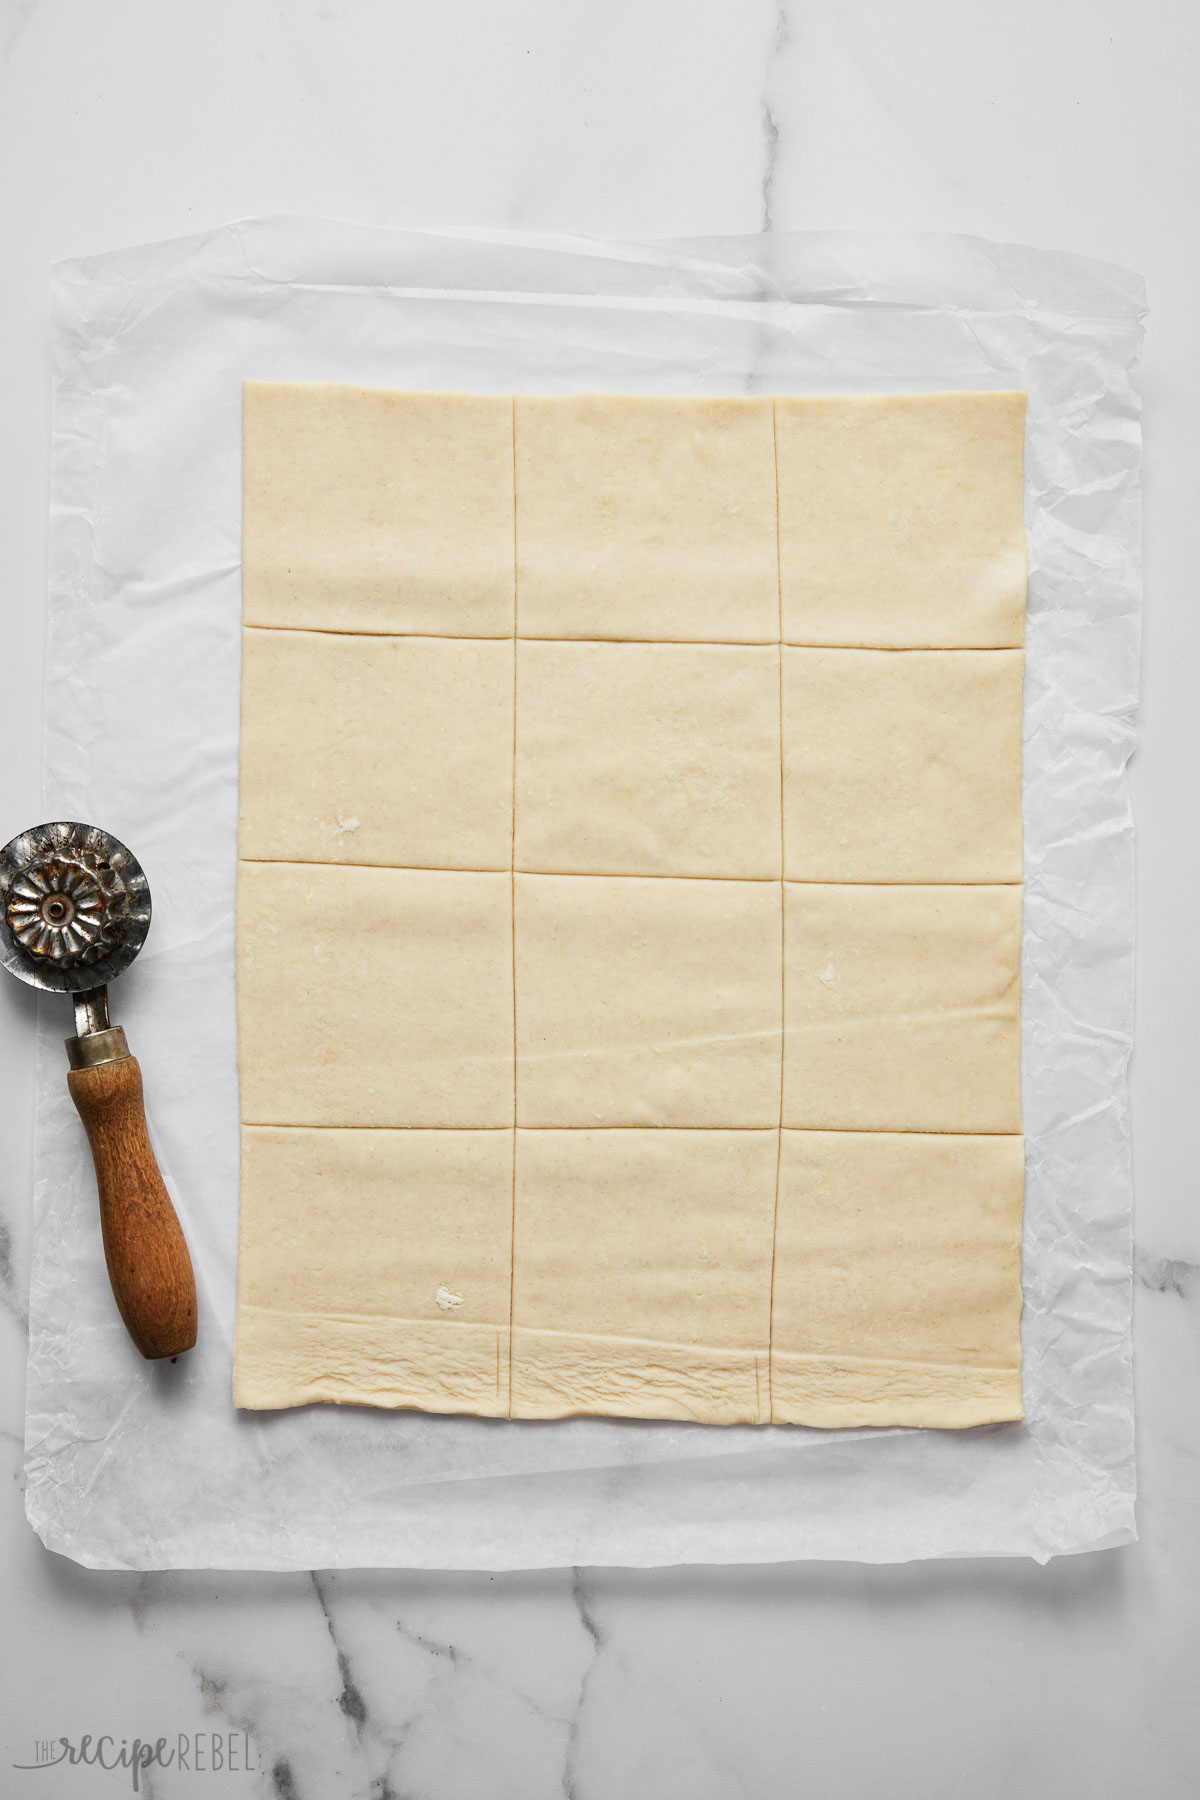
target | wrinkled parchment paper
x=135, y=1465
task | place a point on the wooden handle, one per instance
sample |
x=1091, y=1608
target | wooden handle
x=147, y=1257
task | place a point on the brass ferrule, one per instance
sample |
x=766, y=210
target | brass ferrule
x=97, y=1047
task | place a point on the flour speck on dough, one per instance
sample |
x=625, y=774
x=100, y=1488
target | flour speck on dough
x=447, y=1301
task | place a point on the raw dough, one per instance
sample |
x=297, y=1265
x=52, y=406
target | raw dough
x=608, y=966
x=896, y=1260
x=644, y=518
x=902, y=765
x=901, y=520
x=648, y=759
x=902, y=1008
x=668, y=1314
x=316, y=1313
x=643, y=1002
x=370, y=511
x=435, y=794
x=374, y=996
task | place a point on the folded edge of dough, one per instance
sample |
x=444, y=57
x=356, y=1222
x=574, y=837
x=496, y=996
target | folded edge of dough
x=560, y=1374
x=837, y=1392
x=292, y=1358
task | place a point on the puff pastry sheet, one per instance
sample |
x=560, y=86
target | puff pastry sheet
x=629, y=905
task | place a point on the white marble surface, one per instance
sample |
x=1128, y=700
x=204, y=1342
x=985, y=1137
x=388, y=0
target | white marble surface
x=1070, y=125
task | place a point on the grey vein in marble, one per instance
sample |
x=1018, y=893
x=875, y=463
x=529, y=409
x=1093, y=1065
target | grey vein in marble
x=20, y=13
x=350, y=1699
x=770, y=115
x=587, y=1618
x=283, y=1782
x=1166, y=1274
x=10, y=1297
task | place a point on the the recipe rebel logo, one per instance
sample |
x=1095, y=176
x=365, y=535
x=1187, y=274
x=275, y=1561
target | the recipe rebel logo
x=195, y=1753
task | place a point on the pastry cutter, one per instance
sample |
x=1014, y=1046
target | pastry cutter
x=74, y=912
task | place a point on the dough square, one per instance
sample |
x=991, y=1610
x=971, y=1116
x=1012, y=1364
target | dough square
x=646, y=517
x=897, y=1292
x=406, y=757
x=902, y=765
x=374, y=996
x=648, y=759
x=367, y=510
x=902, y=1008
x=647, y=1001
x=642, y=1274
x=374, y=1266
x=901, y=519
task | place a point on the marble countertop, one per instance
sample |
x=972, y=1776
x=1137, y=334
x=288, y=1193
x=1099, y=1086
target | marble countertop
x=1070, y=126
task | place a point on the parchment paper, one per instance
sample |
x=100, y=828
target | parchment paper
x=133, y=1465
